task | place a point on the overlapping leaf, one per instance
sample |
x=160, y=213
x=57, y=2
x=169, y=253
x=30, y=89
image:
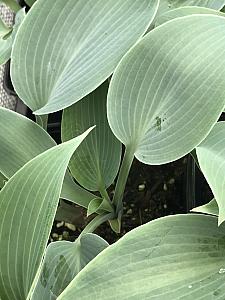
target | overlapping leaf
x=214, y=4
x=168, y=90
x=21, y=140
x=176, y=257
x=28, y=204
x=210, y=208
x=30, y=2
x=63, y=261
x=78, y=47
x=166, y=5
x=185, y=11
x=95, y=164
x=3, y=180
x=211, y=157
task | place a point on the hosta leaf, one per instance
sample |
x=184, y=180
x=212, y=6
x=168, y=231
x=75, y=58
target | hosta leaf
x=185, y=11
x=6, y=42
x=21, y=140
x=28, y=204
x=77, y=48
x=214, y=4
x=211, y=157
x=166, y=5
x=63, y=261
x=168, y=90
x=30, y=2
x=3, y=180
x=176, y=257
x=95, y=164
x=99, y=206
x=210, y=208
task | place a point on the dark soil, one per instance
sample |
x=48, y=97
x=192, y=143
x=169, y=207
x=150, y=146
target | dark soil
x=151, y=192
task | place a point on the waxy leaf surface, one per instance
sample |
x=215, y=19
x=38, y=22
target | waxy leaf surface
x=95, y=164
x=185, y=11
x=63, y=261
x=168, y=90
x=166, y=5
x=210, y=208
x=211, y=157
x=176, y=257
x=77, y=48
x=28, y=204
x=22, y=140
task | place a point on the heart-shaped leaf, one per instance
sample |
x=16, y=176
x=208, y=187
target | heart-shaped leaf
x=63, y=261
x=176, y=257
x=211, y=157
x=28, y=204
x=78, y=47
x=95, y=164
x=168, y=90
x=22, y=140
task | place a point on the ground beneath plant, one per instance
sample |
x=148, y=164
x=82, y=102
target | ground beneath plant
x=151, y=192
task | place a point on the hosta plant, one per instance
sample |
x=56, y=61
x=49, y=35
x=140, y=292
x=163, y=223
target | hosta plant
x=124, y=93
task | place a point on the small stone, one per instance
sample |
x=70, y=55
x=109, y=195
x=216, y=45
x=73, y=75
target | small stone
x=165, y=187
x=132, y=205
x=60, y=224
x=165, y=206
x=60, y=238
x=55, y=235
x=70, y=226
x=141, y=187
x=171, y=181
x=129, y=212
x=222, y=271
x=146, y=209
x=133, y=219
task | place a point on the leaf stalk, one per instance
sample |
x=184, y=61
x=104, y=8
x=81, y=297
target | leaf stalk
x=122, y=179
x=96, y=222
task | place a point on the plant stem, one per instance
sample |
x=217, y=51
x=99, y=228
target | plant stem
x=12, y=4
x=42, y=121
x=97, y=221
x=104, y=194
x=122, y=179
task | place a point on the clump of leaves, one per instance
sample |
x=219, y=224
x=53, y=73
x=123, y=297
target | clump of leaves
x=163, y=100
